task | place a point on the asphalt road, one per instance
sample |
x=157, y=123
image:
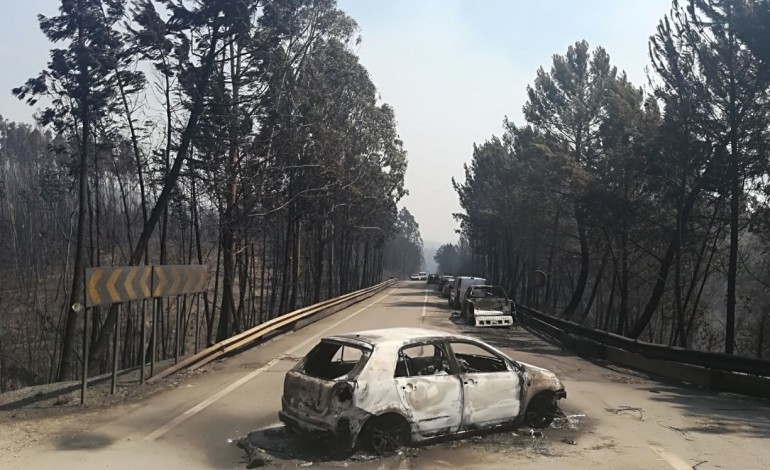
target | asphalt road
x=615, y=419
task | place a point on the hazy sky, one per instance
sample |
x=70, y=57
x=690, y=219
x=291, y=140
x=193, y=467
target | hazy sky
x=452, y=69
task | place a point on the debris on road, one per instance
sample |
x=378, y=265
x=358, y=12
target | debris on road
x=570, y=422
x=535, y=434
x=675, y=429
x=626, y=408
x=255, y=457
x=571, y=442
x=362, y=457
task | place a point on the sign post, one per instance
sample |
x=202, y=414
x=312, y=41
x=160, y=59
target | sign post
x=115, y=340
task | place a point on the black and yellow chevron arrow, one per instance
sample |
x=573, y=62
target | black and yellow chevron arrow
x=117, y=284
x=122, y=284
x=178, y=280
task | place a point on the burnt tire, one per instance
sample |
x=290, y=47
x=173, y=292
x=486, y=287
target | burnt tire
x=385, y=435
x=541, y=411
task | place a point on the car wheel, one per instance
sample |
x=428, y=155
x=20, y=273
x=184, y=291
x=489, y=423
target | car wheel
x=386, y=434
x=541, y=411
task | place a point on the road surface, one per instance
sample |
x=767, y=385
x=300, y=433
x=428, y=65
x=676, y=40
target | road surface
x=614, y=419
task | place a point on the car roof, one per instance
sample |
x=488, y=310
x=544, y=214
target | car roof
x=394, y=335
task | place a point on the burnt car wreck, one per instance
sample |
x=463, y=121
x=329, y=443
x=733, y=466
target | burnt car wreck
x=383, y=389
x=488, y=306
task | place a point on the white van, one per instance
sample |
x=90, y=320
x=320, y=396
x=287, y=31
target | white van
x=461, y=284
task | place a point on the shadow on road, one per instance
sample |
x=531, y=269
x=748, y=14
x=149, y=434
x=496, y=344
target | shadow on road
x=715, y=413
x=279, y=444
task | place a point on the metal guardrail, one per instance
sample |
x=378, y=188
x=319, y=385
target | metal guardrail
x=296, y=320
x=717, y=371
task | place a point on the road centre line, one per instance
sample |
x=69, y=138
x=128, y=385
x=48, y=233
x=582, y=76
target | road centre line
x=672, y=459
x=424, y=305
x=212, y=399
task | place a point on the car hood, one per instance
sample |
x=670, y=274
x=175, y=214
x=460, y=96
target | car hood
x=543, y=378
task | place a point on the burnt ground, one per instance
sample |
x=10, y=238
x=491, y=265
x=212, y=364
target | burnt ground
x=276, y=447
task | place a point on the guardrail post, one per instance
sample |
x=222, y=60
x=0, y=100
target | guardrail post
x=154, y=336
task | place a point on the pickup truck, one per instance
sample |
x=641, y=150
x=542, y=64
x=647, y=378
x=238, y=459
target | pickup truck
x=488, y=306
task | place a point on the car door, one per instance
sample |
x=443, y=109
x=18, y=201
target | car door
x=432, y=394
x=491, y=388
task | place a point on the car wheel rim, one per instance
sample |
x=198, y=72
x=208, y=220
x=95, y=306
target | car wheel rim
x=387, y=438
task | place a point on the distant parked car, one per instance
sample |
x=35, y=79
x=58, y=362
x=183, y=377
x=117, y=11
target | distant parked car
x=433, y=278
x=383, y=389
x=414, y=277
x=488, y=306
x=460, y=285
x=443, y=281
x=423, y=276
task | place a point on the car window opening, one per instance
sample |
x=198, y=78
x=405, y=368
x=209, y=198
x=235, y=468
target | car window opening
x=331, y=361
x=422, y=360
x=473, y=359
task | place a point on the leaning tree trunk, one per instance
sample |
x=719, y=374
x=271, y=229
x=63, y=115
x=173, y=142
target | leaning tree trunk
x=65, y=371
x=580, y=286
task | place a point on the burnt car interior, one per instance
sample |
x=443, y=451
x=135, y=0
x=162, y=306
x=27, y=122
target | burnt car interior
x=474, y=359
x=481, y=292
x=423, y=359
x=329, y=360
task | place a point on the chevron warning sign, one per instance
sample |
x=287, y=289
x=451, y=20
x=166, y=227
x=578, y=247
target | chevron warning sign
x=117, y=284
x=178, y=280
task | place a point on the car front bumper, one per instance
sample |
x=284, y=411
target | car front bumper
x=493, y=320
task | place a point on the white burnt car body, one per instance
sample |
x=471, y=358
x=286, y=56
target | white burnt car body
x=386, y=388
x=488, y=306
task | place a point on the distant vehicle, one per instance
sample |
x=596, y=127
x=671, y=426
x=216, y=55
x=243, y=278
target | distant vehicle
x=433, y=278
x=460, y=285
x=443, y=281
x=488, y=306
x=414, y=277
x=423, y=276
x=383, y=389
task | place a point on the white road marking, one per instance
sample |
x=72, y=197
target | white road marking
x=424, y=305
x=207, y=402
x=672, y=459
